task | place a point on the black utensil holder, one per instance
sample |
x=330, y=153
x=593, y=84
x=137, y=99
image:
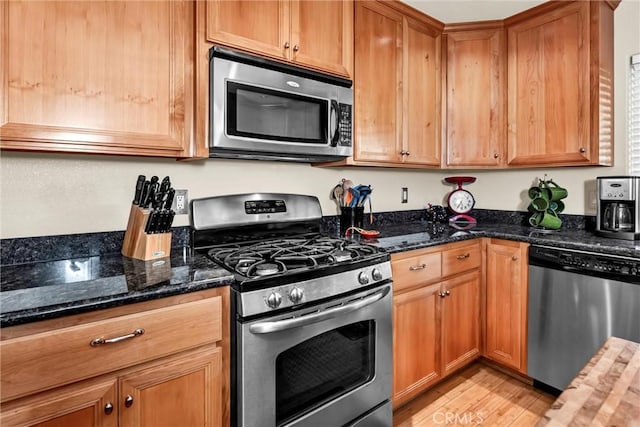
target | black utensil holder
x=350, y=217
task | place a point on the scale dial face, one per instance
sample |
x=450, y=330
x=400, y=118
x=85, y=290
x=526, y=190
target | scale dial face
x=461, y=201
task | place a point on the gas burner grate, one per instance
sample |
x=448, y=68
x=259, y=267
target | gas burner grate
x=284, y=255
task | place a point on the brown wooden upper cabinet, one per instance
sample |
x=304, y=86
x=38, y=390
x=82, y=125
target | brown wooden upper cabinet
x=534, y=90
x=310, y=33
x=397, y=86
x=475, y=98
x=96, y=76
x=560, y=85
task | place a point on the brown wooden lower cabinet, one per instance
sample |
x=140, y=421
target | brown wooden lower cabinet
x=416, y=337
x=83, y=404
x=460, y=313
x=187, y=386
x=183, y=390
x=454, y=303
x=506, y=303
x=436, y=323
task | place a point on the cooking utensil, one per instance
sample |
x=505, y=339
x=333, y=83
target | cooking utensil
x=337, y=194
x=367, y=234
x=145, y=193
x=139, y=186
x=355, y=196
x=166, y=215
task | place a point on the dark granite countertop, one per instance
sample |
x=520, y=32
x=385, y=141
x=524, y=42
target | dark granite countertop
x=422, y=234
x=43, y=290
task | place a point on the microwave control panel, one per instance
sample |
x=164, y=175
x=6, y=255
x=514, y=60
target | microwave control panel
x=346, y=125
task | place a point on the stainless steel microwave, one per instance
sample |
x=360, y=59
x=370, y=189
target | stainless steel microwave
x=262, y=109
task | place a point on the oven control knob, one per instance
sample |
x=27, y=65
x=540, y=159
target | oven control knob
x=363, y=278
x=376, y=274
x=295, y=295
x=273, y=300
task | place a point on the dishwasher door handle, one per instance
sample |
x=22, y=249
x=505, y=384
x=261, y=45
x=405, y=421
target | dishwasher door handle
x=282, y=325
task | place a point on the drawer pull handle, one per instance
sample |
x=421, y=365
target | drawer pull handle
x=417, y=267
x=108, y=408
x=99, y=341
x=463, y=256
x=128, y=401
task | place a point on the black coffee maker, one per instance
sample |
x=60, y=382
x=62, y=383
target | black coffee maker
x=618, y=207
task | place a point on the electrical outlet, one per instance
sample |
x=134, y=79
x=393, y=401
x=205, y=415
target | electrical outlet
x=405, y=195
x=181, y=202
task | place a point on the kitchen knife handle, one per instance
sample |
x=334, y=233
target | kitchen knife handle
x=151, y=196
x=165, y=185
x=145, y=193
x=139, y=186
x=169, y=221
x=170, y=195
x=148, y=226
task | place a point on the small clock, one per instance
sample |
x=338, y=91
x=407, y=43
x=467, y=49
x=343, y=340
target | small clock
x=461, y=201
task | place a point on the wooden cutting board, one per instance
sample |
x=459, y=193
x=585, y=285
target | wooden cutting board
x=605, y=393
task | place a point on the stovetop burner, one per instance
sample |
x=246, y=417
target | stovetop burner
x=282, y=256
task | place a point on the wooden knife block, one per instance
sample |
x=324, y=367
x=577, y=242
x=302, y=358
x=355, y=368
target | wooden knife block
x=140, y=245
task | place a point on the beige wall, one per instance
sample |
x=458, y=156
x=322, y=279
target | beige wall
x=47, y=194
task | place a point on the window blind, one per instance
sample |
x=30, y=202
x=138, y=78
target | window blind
x=634, y=116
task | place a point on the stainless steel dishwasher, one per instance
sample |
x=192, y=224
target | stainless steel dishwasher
x=576, y=301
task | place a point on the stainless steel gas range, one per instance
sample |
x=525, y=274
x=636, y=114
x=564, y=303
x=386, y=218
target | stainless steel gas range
x=311, y=327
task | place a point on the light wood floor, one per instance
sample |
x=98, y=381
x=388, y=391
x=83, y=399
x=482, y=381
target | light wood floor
x=477, y=396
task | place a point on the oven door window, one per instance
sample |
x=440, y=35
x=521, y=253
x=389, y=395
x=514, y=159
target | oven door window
x=323, y=368
x=255, y=112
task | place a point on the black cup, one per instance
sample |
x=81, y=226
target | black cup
x=350, y=217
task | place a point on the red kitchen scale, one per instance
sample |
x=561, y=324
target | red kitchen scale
x=461, y=201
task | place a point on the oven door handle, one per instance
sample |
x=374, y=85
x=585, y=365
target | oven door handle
x=308, y=319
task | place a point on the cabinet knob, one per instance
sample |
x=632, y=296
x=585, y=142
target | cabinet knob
x=287, y=45
x=447, y=292
x=496, y=155
x=582, y=149
x=515, y=257
x=442, y=294
x=407, y=153
x=108, y=408
x=128, y=401
x=296, y=48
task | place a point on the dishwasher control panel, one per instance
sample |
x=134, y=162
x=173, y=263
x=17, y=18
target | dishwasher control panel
x=618, y=267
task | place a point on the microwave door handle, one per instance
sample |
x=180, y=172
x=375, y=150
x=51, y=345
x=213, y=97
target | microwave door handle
x=335, y=107
x=282, y=325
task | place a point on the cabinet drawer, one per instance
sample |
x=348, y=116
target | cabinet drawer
x=44, y=360
x=461, y=258
x=409, y=272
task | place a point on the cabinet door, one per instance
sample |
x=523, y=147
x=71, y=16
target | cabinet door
x=184, y=391
x=506, y=299
x=475, y=98
x=460, y=321
x=421, y=85
x=416, y=360
x=322, y=35
x=378, y=83
x=87, y=404
x=257, y=26
x=96, y=76
x=548, y=88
